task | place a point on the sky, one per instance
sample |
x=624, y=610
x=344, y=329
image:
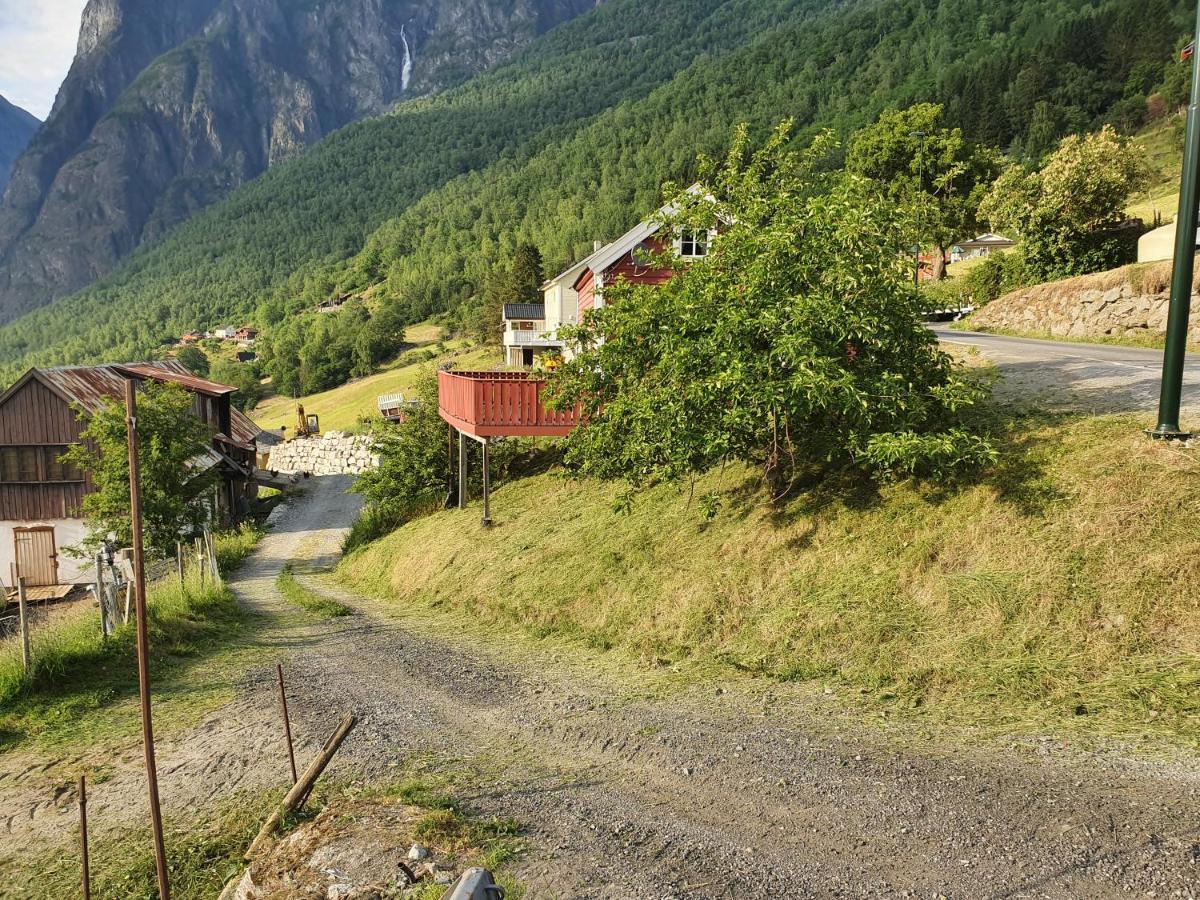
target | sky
x=37, y=44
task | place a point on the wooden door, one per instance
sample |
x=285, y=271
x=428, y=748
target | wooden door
x=37, y=556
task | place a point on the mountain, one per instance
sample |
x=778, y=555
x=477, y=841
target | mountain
x=171, y=104
x=16, y=128
x=570, y=140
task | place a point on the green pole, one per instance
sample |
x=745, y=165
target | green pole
x=1185, y=261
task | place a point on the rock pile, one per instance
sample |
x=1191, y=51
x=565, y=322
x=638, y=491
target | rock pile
x=334, y=453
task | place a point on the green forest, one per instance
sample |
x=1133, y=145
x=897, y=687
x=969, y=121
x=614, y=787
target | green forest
x=571, y=142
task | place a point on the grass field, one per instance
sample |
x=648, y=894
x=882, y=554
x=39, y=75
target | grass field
x=83, y=688
x=345, y=407
x=1162, y=150
x=1053, y=592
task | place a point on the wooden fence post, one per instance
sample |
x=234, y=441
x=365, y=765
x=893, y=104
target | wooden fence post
x=83, y=839
x=179, y=560
x=104, y=629
x=23, y=613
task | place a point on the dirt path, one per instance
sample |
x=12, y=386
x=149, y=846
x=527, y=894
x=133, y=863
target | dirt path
x=747, y=790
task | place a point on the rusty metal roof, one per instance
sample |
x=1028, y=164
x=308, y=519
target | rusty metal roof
x=91, y=386
x=177, y=373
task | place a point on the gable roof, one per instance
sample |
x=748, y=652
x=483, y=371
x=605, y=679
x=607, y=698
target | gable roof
x=89, y=387
x=611, y=253
x=985, y=239
x=524, y=310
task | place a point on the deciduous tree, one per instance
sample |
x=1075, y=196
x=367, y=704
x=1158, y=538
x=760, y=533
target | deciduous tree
x=794, y=345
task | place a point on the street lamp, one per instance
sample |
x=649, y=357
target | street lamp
x=920, y=135
x=1182, y=273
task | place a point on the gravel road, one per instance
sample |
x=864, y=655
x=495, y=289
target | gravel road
x=739, y=789
x=1092, y=377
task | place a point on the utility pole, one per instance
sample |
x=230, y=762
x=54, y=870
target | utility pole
x=143, y=643
x=1182, y=274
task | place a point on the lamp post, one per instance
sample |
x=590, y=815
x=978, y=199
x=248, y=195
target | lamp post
x=919, y=135
x=1182, y=273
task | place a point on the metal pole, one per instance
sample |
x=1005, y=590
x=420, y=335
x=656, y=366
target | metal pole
x=143, y=643
x=487, y=483
x=83, y=839
x=1185, y=261
x=23, y=616
x=462, y=471
x=287, y=725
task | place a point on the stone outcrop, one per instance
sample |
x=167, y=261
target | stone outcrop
x=1124, y=302
x=171, y=104
x=16, y=128
x=334, y=453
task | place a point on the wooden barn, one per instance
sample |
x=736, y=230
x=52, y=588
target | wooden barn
x=40, y=497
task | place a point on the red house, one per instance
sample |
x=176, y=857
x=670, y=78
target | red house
x=486, y=405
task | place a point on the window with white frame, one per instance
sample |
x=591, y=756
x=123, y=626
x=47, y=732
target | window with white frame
x=693, y=244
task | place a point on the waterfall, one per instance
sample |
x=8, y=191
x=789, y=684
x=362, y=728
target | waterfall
x=406, y=67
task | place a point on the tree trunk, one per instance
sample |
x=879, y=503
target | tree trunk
x=939, y=263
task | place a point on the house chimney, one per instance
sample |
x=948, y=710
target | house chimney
x=596, y=245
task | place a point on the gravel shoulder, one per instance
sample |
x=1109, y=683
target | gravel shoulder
x=634, y=786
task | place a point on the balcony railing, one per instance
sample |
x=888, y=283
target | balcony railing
x=499, y=404
x=516, y=338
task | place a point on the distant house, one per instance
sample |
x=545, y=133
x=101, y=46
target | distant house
x=333, y=304
x=245, y=356
x=191, y=337
x=224, y=332
x=983, y=245
x=246, y=333
x=40, y=497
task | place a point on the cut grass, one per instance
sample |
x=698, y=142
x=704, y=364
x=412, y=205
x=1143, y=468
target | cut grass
x=1050, y=592
x=294, y=592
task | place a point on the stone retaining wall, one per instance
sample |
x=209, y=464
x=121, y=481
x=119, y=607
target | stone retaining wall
x=1115, y=304
x=334, y=453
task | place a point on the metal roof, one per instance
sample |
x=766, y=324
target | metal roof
x=524, y=310
x=90, y=387
x=177, y=373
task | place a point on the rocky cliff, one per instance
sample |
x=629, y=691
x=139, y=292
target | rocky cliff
x=170, y=104
x=16, y=128
x=1127, y=302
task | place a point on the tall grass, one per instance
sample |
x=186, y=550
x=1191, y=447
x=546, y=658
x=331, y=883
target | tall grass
x=76, y=671
x=1053, y=590
x=294, y=592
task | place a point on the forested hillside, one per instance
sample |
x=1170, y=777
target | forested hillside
x=571, y=141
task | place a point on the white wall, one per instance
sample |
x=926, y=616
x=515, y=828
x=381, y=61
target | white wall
x=67, y=533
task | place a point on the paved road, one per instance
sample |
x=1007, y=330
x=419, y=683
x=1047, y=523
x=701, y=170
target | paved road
x=1091, y=377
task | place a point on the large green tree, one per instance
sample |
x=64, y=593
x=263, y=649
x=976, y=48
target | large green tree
x=176, y=487
x=919, y=161
x=795, y=344
x=1069, y=214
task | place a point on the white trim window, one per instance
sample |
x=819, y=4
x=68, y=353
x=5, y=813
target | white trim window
x=693, y=244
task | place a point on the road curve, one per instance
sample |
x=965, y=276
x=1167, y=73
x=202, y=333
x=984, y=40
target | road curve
x=1090, y=377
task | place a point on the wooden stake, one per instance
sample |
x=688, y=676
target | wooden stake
x=179, y=560
x=104, y=629
x=143, y=641
x=83, y=839
x=287, y=725
x=23, y=613
x=301, y=789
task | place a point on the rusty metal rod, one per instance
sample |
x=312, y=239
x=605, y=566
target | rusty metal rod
x=287, y=725
x=83, y=839
x=143, y=641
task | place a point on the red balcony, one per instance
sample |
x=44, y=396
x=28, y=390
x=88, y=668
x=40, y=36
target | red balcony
x=499, y=404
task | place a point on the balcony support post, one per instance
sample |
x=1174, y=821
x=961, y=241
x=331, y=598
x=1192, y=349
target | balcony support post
x=487, y=483
x=462, y=471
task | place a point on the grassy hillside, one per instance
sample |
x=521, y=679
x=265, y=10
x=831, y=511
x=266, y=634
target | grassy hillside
x=572, y=140
x=346, y=406
x=1054, y=591
x=1162, y=148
